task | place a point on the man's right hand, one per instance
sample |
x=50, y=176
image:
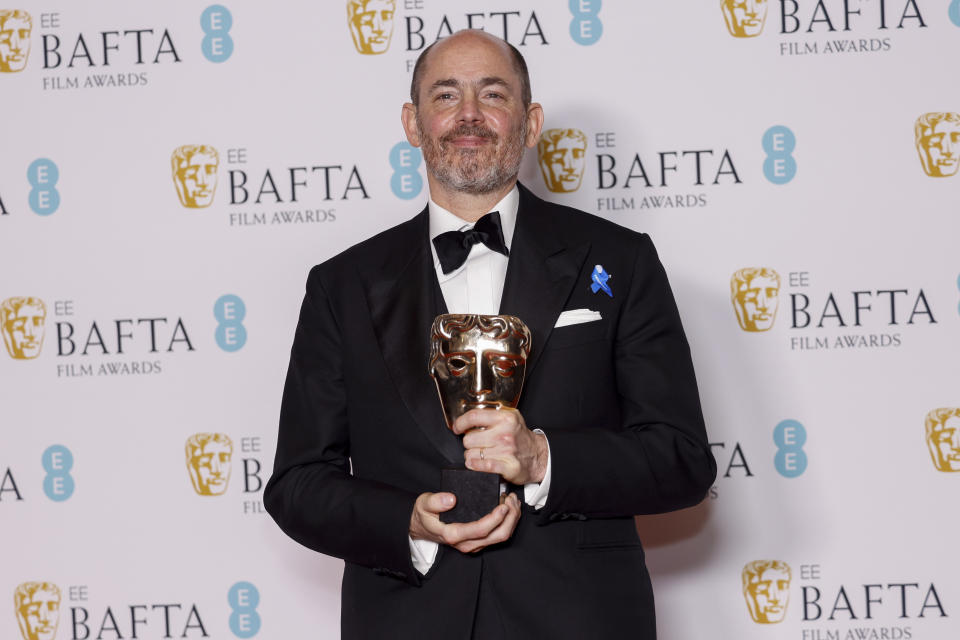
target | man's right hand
x=493, y=528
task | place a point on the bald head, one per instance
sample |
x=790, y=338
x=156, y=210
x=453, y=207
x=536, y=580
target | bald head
x=472, y=38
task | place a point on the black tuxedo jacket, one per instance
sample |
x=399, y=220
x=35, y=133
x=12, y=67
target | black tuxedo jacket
x=362, y=432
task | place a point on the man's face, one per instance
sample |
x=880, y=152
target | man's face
x=14, y=44
x=944, y=444
x=39, y=615
x=478, y=371
x=767, y=596
x=562, y=164
x=371, y=24
x=210, y=468
x=470, y=121
x=197, y=180
x=744, y=18
x=939, y=148
x=23, y=331
x=756, y=303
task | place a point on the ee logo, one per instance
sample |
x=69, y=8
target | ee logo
x=405, y=159
x=230, y=311
x=585, y=28
x=58, y=483
x=216, y=21
x=42, y=174
x=244, y=598
x=791, y=460
x=779, y=143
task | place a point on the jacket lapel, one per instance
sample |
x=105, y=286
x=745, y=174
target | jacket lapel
x=542, y=271
x=404, y=298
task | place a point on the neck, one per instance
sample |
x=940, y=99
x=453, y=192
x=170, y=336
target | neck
x=466, y=206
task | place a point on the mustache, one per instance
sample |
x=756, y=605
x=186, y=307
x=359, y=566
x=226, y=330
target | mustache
x=469, y=130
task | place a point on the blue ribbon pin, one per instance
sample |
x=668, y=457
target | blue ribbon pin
x=600, y=277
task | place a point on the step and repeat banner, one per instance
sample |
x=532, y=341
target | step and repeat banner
x=170, y=171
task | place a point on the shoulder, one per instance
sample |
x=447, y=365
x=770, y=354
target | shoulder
x=387, y=251
x=574, y=226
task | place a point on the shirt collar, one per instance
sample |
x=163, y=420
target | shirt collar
x=442, y=220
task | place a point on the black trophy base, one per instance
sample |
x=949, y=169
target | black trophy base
x=478, y=493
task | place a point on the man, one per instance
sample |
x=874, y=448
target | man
x=209, y=462
x=938, y=143
x=755, y=294
x=22, y=321
x=37, y=607
x=362, y=435
x=195, y=174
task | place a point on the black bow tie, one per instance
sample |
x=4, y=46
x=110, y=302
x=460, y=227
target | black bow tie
x=453, y=247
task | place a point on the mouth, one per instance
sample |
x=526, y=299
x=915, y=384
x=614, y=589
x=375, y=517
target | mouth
x=467, y=137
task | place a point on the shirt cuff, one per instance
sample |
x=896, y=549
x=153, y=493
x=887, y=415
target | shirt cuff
x=423, y=553
x=535, y=493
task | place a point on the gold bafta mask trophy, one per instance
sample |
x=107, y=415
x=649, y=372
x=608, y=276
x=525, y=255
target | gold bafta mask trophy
x=37, y=607
x=477, y=362
x=766, y=588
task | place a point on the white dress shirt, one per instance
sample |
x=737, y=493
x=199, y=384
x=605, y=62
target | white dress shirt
x=476, y=287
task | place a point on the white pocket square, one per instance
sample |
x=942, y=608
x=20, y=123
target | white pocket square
x=576, y=316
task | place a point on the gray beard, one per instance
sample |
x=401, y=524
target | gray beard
x=471, y=175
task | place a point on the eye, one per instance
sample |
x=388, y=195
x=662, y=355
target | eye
x=504, y=368
x=457, y=365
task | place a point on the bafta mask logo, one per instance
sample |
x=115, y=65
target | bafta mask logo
x=943, y=438
x=195, y=174
x=209, y=462
x=766, y=588
x=371, y=24
x=15, y=28
x=478, y=362
x=938, y=143
x=22, y=321
x=744, y=18
x=37, y=606
x=562, y=154
x=755, y=293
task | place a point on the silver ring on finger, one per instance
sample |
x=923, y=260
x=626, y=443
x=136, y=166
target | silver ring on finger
x=481, y=453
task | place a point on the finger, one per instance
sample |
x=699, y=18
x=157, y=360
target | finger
x=501, y=533
x=456, y=533
x=483, y=418
x=439, y=502
x=489, y=463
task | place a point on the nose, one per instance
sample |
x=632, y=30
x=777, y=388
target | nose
x=469, y=111
x=215, y=465
x=202, y=177
x=377, y=23
x=481, y=380
x=950, y=145
x=751, y=8
x=762, y=299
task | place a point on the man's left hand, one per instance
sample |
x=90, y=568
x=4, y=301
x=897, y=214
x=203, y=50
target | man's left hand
x=498, y=441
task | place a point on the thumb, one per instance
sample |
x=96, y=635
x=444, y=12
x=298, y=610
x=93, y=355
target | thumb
x=440, y=502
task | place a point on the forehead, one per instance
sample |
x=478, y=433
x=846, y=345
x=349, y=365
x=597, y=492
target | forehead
x=42, y=595
x=771, y=575
x=202, y=158
x=212, y=445
x=13, y=23
x=29, y=310
x=476, y=340
x=759, y=282
x=469, y=57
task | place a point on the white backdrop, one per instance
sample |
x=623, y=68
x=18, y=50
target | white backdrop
x=95, y=493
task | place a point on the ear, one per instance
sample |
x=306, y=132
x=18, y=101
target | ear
x=408, y=117
x=534, y=124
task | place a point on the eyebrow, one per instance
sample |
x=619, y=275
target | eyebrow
x=483, y=82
